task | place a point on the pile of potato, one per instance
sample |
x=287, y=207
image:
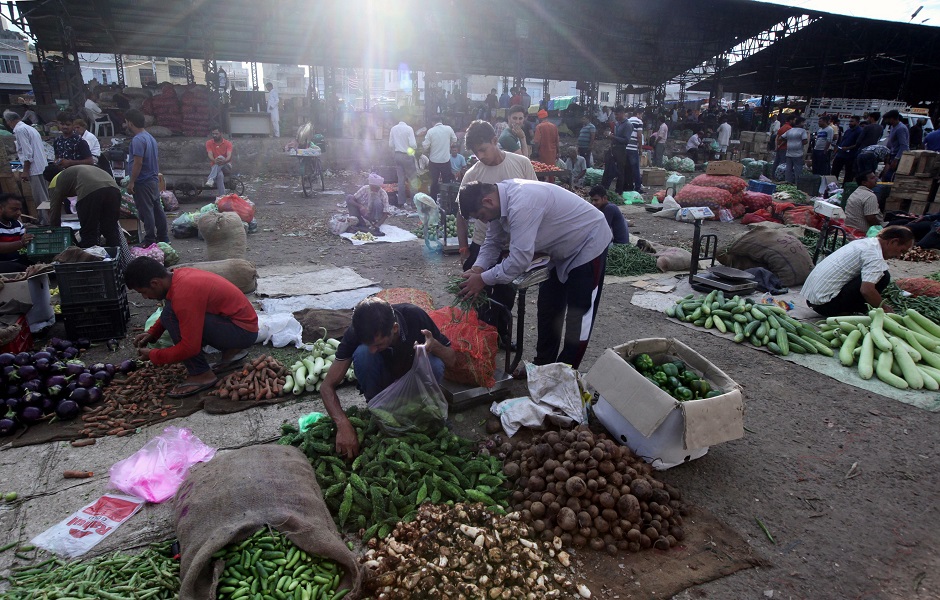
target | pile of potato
x=588, y=490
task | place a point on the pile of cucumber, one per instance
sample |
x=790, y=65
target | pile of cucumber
x=308, y=373
x=901, y=350
x=762, y=325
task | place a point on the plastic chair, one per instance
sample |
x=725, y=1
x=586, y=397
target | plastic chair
x=104, y=124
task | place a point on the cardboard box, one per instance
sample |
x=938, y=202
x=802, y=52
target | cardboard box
x=654, y=177
x=652, y=423
x=747, y=137
x=32, y=292
x=724, y=167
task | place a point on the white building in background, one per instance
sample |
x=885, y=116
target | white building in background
x=237, y=74
x=98, y=67
x=290, y=81
x=15, y=66
x=138, y=70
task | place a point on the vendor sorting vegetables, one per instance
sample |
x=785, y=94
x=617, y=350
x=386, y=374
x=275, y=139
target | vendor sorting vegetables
x=370, y=205
x=612, y=214
x=199, y=309
x=380, y=343
x=542, y=217
x=13, y=236
x=856, y=274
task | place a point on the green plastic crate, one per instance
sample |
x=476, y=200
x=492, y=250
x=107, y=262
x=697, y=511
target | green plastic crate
x=48, y=242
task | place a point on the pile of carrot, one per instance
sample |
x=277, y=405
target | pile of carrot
x=132, y=403
x=262, y=379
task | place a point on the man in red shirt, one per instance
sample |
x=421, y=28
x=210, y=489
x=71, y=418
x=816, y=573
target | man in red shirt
x=199, y=309
x=781, y=145
x=219, y=150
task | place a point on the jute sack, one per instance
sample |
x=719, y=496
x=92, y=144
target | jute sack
x=237, y=270
x=224, y=234
x=780, y=252
x=229, y=498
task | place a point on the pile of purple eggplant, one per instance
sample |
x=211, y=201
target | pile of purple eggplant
x=51, y=381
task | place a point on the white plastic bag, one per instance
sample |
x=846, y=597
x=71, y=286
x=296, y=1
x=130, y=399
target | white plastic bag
x=279, y=330
x=428, y=210
x=156, y=471
x=83, y=529
x=341, y=223
x=557, y=386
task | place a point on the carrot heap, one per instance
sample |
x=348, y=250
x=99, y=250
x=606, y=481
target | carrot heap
x=262, y=379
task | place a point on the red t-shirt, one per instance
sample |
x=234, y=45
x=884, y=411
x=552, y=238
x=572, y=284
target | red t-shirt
x=515, y=100
x=194, y=294
x=220, y=149
x=782, y=145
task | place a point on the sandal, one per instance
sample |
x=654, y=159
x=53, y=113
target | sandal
x=224, y=366
x=192, y=389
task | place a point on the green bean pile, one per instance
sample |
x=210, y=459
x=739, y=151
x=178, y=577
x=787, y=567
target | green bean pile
x=810, y=239
x=268, y=565
x=626, y=259
x=925, y=305
x=150, y=575
x=463, y=303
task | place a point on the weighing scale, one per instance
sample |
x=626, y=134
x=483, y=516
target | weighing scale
x=704, y=247
x=447, y=200
x=830, y=234
x=462, y=397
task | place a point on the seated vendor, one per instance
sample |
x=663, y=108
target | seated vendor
x=615, y=220
x=381, y=345
x=861, y=208
x=13, y=236
x=853, y=277
x=199, y=309
x=370, y=205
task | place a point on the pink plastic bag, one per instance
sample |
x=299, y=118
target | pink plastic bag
x=156, y=471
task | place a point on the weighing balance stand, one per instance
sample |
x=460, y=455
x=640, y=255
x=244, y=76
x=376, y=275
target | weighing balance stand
x=462, y=397
x=830, y=234
x=705, y=247
x=447, y=200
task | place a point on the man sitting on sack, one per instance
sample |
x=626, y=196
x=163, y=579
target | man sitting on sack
x=370, y=205
x=381, y=345
x=853, y=277
x=199, y=309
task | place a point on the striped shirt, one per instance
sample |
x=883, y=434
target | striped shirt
x=842, y=266
x=637, y=138
x=11, y=232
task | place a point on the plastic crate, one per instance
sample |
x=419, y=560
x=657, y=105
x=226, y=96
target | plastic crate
x=48, y=242
x=98, y=321
x=762, y=187
x=809, y=185
x=91, y=282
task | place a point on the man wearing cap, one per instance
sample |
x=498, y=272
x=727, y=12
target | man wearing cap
x=370, y=205
x=545, y=141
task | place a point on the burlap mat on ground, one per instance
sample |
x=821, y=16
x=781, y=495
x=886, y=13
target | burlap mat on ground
x=335, y=321
x=229, y=498
x=710, y=551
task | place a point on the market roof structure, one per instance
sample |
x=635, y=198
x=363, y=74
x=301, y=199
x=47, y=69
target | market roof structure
x=843, y=57
x=645, y=43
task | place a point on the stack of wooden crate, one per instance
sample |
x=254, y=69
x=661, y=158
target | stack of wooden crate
x=915, y=183
x=754, y=145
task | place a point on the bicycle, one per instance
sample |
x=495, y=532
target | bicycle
x=233, y=185
x=311, y=168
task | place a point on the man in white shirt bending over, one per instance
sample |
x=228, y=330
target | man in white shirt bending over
x=853, y=277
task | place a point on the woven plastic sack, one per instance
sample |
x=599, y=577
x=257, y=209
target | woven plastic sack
x=696, y=195
x=152, y=251
x=428, y=210
x=475, y=343
x=415, y=402
x=419, y=298
x=755, y=201
x=224, y=234
x=733, y=184
x=920, y=286
x=243, y=207
x=170, y=256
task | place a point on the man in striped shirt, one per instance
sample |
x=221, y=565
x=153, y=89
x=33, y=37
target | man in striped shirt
x=855, y=275
x=13, y=236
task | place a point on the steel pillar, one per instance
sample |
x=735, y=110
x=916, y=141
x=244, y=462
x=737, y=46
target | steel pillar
x=119, y=67
x=254, y=76
x=71, y=69
x=506, y=84
x=211, y=68
x=619, y=94
x=190, y=78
